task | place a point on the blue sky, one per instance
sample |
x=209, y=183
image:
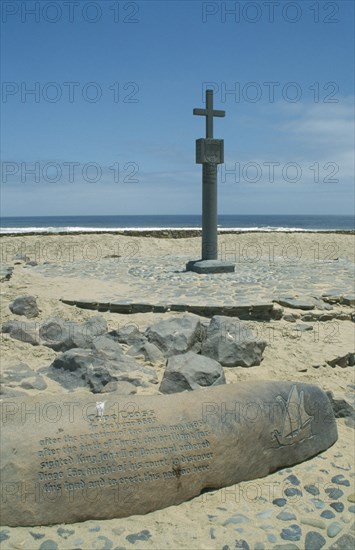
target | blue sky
x=108, y=127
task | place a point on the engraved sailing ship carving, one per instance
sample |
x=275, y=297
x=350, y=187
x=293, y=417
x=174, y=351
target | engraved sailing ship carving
x=297, y=423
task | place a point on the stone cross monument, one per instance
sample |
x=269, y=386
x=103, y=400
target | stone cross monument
x=209, y=153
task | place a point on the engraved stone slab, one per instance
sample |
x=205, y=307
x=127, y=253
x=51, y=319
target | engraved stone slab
x=69, y=459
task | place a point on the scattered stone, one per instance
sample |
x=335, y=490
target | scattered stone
x=352, y=509
x=293, y=479
x=345, y=542
x=351, y=498
x=106, y=346
x=36, y=383
x=236, y=519
x=341, y=408
x=348, y=300
x=292, y=492
x=128, y=334
x=5, y=273
x=334, y=529
x=341, y=480
x=334, y=493
x=25, y=331
x=313, y=522
x=287, y=546
x=318, y=503
x=241, y=543
x=230, y=342
x=25, y=305
x=150, y=352
x=299, y=302
x=279, y=502
x=142, y=535
x=327, y=514
x=293, y=532
x=4, y=535
x=48, y=545
x=337, y=506
x=314, y=541
x=342, y=361
x=65, y=533
x=84, y=368
x=259, y=546
x=176, y=335
x=290, y=317
x=286, y=516
x=312, y=489
x=190, y=371
x=64, y=335
x=271, y=538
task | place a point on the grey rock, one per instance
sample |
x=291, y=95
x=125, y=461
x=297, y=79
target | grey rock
x=236, y=519
x=297, y=302
x=337, y=506
x=190, y=371
x=16, y=373
x=286, y=546
x=149, y=351
x=279, y=502
x=341, y=480
x=327, y=514
x=312, y=489
x=314, y=541
x=285, y=516
x=25, y=305
x=334, y=493
x=141, y=536
x=107, y=346
x=176, y=335
x=230, y=342
x=348, y=300
x=341, y=408
x=5, y=273
x=85, y=368
x=293, y=532
x=241, y=543
x=128, y=334
x=25, y=331
x=302, y=327
x=48, y=545
x=343, y=361
x=121, y=388
x=6, y=391
x=63, y=335
x=290, y=317
x=334, y=529
x=345, y=542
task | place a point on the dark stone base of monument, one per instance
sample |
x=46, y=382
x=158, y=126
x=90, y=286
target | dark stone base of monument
x=210, y=266
x=66, y=460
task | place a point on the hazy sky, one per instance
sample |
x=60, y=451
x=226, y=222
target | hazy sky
x=97, y=102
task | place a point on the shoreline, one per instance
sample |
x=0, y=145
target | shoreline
x=178, y=233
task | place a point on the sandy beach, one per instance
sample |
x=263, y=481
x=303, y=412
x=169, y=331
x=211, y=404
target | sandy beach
x=108, y=268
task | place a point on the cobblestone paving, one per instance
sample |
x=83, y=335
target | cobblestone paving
x=161, y=279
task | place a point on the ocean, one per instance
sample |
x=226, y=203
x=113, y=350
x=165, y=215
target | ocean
x=77, y=224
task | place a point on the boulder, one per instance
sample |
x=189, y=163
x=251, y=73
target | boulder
x=176, y=335
x=21, y=375
x=5, y=273
x=78, y=367
x=109, y=457
x=25, y=305
x=128, y=334
x=25, y=331
x=230, y=342
x=148, y=351
x=189, y=371
x=63, y=335
x=341, y=408
x=107, y=346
